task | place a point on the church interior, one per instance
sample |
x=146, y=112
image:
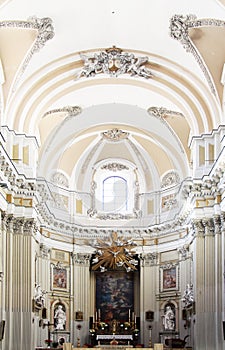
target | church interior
x=112, y=184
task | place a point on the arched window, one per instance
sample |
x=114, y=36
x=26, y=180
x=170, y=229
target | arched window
x=114, y=194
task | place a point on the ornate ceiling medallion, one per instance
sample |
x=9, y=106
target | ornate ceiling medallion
x=114, y=254
x=114, y=61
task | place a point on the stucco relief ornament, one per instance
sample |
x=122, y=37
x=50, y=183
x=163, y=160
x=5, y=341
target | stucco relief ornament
x=114, y=62
x=115, y=135
x=114, y=167
x=179, y=30
x=45, y=32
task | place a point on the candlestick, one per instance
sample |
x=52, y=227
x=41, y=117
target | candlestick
x=129, y=315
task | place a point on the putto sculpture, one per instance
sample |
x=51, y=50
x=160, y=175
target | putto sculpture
x=114, y=61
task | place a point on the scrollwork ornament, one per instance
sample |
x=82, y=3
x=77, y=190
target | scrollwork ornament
x=217, y=224
x=198, y=228
x=30, y=227
x=114, y=167
x=183, y=251
x=114, y=62
x=150, y=259
x=115, y=135
x=179, y=30
x=179, y=25
x=18, y=225
x=209, y=226
x=45, y=30
x=44, y=251
x=81, y=259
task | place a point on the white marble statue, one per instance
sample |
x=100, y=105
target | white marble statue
x=169, y=319
x=60, y=318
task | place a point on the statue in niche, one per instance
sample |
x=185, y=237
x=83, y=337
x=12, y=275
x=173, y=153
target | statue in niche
x=60, y=318
x=169, y=319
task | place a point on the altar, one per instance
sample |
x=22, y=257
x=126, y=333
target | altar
x=122, y=339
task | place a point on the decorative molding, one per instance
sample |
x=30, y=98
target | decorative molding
x=81, y=259
x=169, y=265
x=115, y=135
x=179, y=30
x=114, y=167
x=197, y=227
x=161, y=112
x=169, y=202
x=184, y=251
x=208, y=224
x=117, y=216
x=59, y=201
x=45, y=32
x=203, y=227
x=59, y=179
x=44, y=251
x=170, y=179
x=69, y=110
x=150, y=259
x=114, y=62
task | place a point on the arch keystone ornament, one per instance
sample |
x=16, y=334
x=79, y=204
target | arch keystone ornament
x=114, y=62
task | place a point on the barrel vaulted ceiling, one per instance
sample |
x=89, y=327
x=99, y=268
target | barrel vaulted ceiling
x=45, y=95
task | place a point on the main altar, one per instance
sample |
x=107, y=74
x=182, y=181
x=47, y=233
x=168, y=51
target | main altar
x=114, y=333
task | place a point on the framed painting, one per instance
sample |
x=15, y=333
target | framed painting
x=114, y=295
x=79, y=316
x=59, y=278
x=169, y=278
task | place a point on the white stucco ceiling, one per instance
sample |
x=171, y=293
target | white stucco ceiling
x=32, y=102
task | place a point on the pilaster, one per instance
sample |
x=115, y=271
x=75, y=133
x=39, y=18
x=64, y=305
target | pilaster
x=17, y=296
x=81, y=278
